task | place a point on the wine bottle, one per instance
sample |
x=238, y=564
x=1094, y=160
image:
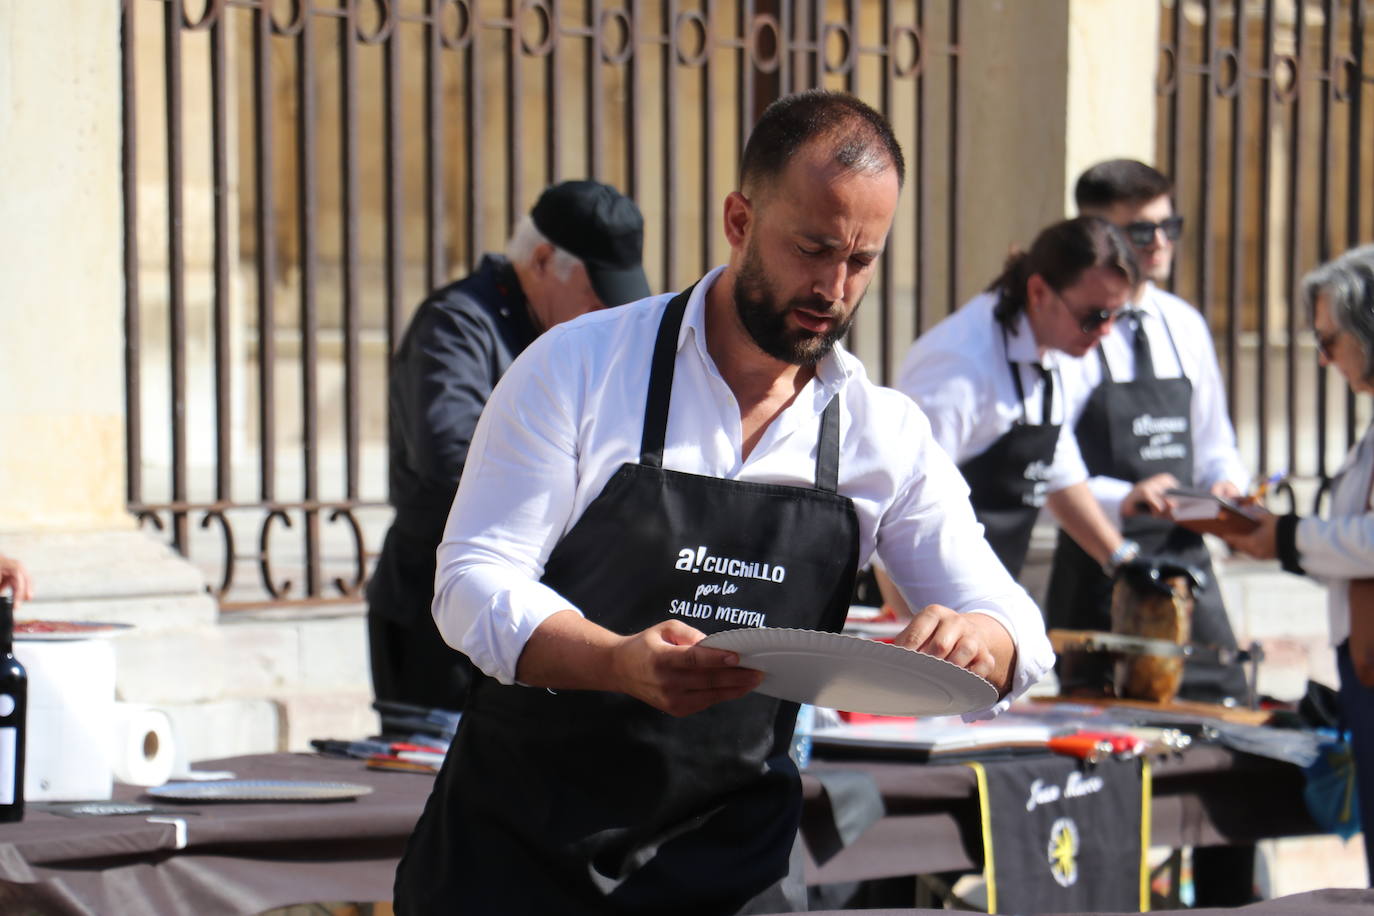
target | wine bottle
x=14, y=695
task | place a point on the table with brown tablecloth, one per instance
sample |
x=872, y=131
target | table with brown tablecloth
x=250, y=857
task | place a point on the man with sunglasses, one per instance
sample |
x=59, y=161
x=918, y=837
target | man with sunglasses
x=1150, y=415
x=987, y=375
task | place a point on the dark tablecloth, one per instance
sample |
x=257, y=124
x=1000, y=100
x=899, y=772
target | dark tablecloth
x=249, y=857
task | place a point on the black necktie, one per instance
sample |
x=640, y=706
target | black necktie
x=1140, y=346
x=1046, y=393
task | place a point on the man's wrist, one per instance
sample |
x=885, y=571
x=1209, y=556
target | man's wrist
x=1125, y=552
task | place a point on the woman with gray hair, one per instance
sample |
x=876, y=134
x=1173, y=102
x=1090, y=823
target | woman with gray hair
x=1339, y=551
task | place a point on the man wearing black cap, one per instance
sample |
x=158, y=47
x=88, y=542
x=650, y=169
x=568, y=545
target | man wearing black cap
x=577, y=251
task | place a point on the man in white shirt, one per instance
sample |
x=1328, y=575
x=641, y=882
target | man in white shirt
x=681, y=466
x=1150, y=415
x=986, y=378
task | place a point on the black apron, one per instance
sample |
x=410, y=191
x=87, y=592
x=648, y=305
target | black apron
x=1131, y=431
x=588, y=802
x=1007, y=480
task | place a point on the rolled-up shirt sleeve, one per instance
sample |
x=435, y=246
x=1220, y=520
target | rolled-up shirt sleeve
x=933, y=548
x=513, y=503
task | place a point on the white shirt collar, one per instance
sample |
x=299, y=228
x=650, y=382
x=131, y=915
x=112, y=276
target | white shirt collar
x=1021, y=345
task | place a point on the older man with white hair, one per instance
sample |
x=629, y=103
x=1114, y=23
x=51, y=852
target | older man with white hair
x=578, y=250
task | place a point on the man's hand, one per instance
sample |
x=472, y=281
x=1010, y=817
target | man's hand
x=1225, y=489
x=1262, y=543
x=665, y=668
x=974, y=641
x=1147, y=497
x=14, y=577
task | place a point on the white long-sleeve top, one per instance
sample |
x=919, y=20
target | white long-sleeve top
x=1340, y=547
x=958, y=373
x=570, y=411
x=1214, y=440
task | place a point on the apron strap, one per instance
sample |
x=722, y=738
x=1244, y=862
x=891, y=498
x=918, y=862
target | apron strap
x=828, y=448
x=661, y=389
x=661, y=381
x=1102, y=361
x=1048, y=395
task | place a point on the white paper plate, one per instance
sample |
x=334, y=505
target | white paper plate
x=854, y=674
x=244, y=790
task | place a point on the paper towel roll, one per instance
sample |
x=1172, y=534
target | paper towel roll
x=144, y=749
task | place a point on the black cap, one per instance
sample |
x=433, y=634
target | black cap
x=603, y=229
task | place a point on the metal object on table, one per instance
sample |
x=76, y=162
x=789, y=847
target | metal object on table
x=1129, y=645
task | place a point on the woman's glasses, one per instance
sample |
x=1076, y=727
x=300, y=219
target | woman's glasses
x=1088, y=322
x=1142, y=232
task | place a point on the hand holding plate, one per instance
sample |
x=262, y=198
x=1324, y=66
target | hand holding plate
x=973, y=641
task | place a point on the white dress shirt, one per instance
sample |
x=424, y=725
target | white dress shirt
x=958, y=373
x=1214, y=440
x=1339, y=548
x=570, y=411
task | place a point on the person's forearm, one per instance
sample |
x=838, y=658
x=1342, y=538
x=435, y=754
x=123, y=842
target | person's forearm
x=569, y=652
x=1083, y=519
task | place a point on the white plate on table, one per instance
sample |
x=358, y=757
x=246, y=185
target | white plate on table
x=249, y=790
x=854, y=674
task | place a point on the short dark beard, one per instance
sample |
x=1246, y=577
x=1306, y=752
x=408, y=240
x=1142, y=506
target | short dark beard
x=766, y=321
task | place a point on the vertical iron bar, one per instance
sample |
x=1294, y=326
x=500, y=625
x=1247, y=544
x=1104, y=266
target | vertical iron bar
x=309, y=317
x=176, y=291
x=348, y=101
x=219, y=146
x=1175, y=99
x=1294, y=208
x=435, y=269
x=514, y=94
x=1235, y=267
x=1203, y=295
x=476, y=111
x=708, y=144
x=393, y=163
x=954, y=170
x=921, y=249
x=670, y=157
x=266, y=228
x=596, y=105
x=1323, y=204
x=1266, y=212
x=888, y=287
x=635, y=93
x=745, y=83
x=133, y=379
x=1354, y=154
x=554, y=136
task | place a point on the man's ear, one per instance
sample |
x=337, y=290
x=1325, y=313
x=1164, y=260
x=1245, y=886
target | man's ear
x=541, y=259
x=739, y=216
x=1037, y=291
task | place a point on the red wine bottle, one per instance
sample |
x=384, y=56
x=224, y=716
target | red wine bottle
x=14, y=696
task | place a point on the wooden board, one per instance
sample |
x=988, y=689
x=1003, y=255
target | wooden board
x=1238, y=714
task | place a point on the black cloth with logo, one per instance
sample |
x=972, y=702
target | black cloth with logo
x=1006, y=481
x=1134, y=430
x=459, y=343
x=585, y=802
x=1063, y=836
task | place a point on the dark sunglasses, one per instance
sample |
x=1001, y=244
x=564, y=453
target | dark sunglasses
x=1090, y=321
x=1143, y=232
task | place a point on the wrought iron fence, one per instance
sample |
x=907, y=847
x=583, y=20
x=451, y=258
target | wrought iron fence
x=299, y=173
x=1265, y=124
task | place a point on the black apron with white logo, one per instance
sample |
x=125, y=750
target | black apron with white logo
x=588, y=802
x=1007, y=480
x=1131, y=431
